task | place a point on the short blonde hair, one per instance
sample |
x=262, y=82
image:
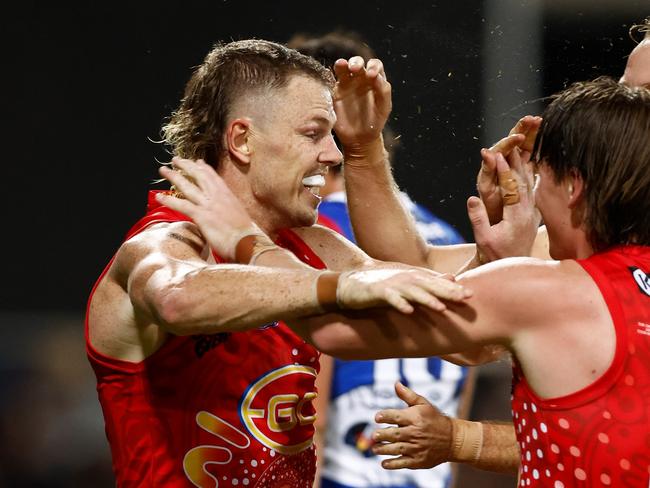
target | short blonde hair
x=229, y=72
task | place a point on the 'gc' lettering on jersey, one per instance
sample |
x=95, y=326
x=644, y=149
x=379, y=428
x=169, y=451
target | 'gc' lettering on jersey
x=277, y=409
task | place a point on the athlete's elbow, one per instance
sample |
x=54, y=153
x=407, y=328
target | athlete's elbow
x=175, y=312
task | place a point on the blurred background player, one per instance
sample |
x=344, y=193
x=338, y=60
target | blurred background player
x=350, y=391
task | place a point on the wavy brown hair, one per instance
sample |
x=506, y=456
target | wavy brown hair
x=601, y=130
x=230, y=71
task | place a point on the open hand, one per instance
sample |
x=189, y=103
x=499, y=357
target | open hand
x=422, y=437
x=515, y=233
x=516, y=148
x=207, y=200
x=399, y=288
x=362, y=100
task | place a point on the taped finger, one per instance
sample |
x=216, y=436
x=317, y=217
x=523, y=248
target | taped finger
x=508, y=183
x=509, y=188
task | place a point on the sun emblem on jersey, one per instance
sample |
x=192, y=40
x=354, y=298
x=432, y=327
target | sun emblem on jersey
x=278, y=414
x=642, y=280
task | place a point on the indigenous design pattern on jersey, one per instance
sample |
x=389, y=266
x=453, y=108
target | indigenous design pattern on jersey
x=361, y=388
x=600, y=435
x=229, y=409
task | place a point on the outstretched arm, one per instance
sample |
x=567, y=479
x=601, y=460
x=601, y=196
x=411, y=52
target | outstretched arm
x=224, y=223
x=382, y=227
x=423, y=437
x=372, y=194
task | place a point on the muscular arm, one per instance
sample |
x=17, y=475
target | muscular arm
x=362, y=101
x=499, y=451
x=493, y=315
x=382, y=226
x=168, y=280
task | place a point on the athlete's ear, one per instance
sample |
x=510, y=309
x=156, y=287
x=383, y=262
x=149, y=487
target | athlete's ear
x=237, y=136
x=575, y=188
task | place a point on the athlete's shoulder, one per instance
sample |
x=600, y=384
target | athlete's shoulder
x=531, y=286
x=180, y=240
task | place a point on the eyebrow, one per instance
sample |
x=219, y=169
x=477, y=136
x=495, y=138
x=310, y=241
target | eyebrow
x=320, y=119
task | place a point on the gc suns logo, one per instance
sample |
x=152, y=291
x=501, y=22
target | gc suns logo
x=277, y=409
x=642, y=280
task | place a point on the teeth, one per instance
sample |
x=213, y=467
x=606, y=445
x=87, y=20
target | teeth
x=315, y=180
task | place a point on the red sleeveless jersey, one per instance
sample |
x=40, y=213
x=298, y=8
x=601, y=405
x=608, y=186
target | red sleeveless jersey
x=228, y=409
x=600, y=435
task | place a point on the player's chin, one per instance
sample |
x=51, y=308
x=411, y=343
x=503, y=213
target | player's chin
x=306, y=217
x=309, y=220
x=307, y=211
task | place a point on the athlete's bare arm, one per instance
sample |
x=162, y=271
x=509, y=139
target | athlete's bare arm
x=382, y=227
x=533, y=308
x=161, y=282
x=536, y=306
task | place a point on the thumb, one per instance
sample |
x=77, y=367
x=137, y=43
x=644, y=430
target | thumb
x=409, y=396
x=478, y=217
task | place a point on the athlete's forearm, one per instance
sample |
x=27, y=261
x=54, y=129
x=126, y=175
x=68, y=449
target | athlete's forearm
x=491, y=446
x=382, y=226
x=209, y=299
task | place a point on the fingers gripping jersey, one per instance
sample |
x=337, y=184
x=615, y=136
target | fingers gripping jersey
x=598, y=436
x=229, y=409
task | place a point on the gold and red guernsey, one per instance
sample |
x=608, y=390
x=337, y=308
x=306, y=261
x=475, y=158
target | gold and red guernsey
x=598, y=436
x=228, y=409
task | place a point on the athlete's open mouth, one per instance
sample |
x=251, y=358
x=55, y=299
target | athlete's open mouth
x=314, y=183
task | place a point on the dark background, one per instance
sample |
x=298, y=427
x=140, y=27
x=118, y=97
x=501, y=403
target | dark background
x=90, y=87
x=87, y=88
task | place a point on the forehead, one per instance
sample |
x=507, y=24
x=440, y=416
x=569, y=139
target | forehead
x=303, y=99
x=637, y=69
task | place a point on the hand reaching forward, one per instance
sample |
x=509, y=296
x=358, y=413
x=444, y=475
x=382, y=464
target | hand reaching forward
x=515, y=233
x=207, y=200
x=519, y=142
x=399, y=288
x=422, y=437
x=362, y=100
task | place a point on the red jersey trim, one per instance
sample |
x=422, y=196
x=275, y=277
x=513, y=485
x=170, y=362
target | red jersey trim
x=330, y=223
x=608, y=379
